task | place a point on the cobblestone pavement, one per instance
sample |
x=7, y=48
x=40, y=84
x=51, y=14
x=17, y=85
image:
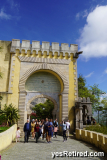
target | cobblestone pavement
x=42, y=150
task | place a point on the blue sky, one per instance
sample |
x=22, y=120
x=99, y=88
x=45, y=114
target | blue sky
x=82, y=22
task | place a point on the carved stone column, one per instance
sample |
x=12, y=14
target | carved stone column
x=81, y=120
x=77, y=119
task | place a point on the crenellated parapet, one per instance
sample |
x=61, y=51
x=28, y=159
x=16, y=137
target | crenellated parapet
x=45, y=50
x=84, y=100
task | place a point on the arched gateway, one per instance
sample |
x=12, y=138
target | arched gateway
x=48, y=81
x=34, y=70
x=55, y=110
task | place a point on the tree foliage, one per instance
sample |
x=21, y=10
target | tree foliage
x=83, y=91
x=44, y=110
x=93, y=92
x=10, y=114
x=104, y=102
x=104, y=110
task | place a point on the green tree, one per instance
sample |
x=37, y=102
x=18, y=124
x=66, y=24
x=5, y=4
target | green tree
x=82, y=89
x=93, y=92
x=44, y=110
x=10, y=114
x=104, y=110
x=97, y=93
x=104, y=102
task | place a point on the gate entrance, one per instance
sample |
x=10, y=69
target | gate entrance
x=33, y=101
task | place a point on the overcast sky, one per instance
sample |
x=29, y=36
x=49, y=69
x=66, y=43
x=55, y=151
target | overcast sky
x=82, y=22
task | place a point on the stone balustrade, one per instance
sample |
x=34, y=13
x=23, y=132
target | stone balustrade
x=97, y=139
x=35, y=49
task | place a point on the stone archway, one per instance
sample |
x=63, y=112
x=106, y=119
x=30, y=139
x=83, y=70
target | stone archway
x=63, y=110
x=54, y=112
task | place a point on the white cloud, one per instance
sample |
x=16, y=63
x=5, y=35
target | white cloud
x=85, y=13
x=12, y=3
x=78, y=15
x=3, y=15
x=93, y=39
x=89, y=75
x=105, y=71
x=82, y=14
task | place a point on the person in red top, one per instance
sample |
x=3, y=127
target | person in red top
x=37, y=131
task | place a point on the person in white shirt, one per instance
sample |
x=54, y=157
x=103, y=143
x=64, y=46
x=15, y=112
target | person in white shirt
x=18, y=134
x=68, y=128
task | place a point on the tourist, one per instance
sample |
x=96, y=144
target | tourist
x=50, y=124
x=64, y=130
x=55, y=128
x=36, y=121
x=43, y=122
x=32, y=128
x=41, y=129
x=88, y=121
x=52, y=128
x=37, y=132
x=46, y=129
x=18, y=134
x=27, y=130
x=39, y=121
x=56, y=122
x=68, y=128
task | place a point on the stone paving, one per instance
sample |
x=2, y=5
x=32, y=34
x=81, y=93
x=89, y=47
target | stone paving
x=42, y=150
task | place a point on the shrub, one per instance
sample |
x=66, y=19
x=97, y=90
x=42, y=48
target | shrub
x=33, y=115
x=97, y=128
x=10, y=114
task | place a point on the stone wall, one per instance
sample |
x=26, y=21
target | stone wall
x=7, y=137
x=4, y=68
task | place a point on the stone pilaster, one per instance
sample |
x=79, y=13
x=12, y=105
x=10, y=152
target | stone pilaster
x=77, y=119
x=65, y=106
x=22, y=111
x=81, y=120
